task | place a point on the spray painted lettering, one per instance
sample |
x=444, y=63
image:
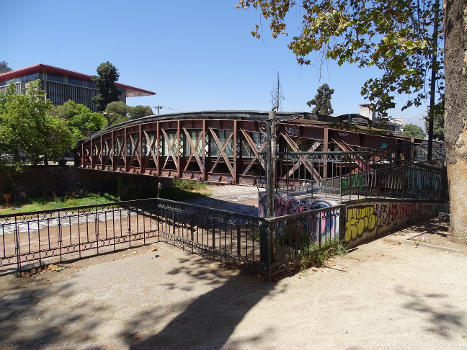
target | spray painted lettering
x=359, y=220
x=376, y=218
x=355, y=180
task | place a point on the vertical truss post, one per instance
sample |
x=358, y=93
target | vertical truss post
x=158, y=165
x=234, y=148
x=325, y=157
x=92, y=154
x=204, y=176
x=179, y=151
x=124, y=153
x=140, y=149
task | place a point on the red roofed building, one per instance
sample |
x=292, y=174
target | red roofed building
x=62, y=85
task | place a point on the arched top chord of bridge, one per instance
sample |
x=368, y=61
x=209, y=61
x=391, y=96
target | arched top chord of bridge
x=225, y=146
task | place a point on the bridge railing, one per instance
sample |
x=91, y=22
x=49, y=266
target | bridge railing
x=353, y=175
x=269, y=246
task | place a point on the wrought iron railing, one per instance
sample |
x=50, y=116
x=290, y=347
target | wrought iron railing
x=351, y=175
x=37, y=238
x=294, y=236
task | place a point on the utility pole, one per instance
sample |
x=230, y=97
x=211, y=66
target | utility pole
x=270, y=161
x=434, y=71
x=158, y=107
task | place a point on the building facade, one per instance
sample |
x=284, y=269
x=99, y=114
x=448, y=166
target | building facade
x=61, y=85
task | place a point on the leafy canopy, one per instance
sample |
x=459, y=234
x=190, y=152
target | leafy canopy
x=118, y=112
x=27, y=128
x=105, y=84
x=4, y=67
x=322, y=101
x=81, y=121
x=139, y=111
x=413, y=130
x=392, y=35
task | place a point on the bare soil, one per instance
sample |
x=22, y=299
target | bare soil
x=385, y=294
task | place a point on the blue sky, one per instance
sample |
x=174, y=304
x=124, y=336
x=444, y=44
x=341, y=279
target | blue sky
x=197, y=55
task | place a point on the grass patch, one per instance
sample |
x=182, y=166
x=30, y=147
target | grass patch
x=313, y=256
x=182, y=189
x=47, y=203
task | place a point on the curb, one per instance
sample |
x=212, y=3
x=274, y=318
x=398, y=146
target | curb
x=428, y=245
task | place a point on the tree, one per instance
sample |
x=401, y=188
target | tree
x=455, y=117
x=81, y=121
x=322, y=101
x=28, y=131
x=105, y=84
x=4, y=67
x=413, y=130
x=139, y=111
x=438, y=120
x=116, y=112
x=394, y=36
x=399, y=37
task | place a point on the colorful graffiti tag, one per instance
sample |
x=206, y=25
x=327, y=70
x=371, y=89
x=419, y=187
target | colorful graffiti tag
x=284, y=205
x=359, y=220
x=326, y=223
x=371, y=219
x=355, y=180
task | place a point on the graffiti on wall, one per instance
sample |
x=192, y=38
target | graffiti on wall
x=324, y=223
x=359, y=220
x=284, y=205
x=352, y=181
x=379, y=217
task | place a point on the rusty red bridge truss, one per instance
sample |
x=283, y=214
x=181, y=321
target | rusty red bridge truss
x=220, y=146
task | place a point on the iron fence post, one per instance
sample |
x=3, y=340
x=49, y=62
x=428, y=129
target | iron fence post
x=59, y=235
x=342, y=216
x=17, y=246
x=265, y=246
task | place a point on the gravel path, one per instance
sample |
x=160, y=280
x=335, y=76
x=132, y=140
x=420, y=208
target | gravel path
x=385, y=295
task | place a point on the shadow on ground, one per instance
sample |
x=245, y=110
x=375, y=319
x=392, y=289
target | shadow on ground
x=433, y=226
x=225, y=205
x=206, y=322
x=25, y=325
x=441, y=318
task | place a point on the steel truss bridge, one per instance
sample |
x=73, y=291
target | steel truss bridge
x=227, y=146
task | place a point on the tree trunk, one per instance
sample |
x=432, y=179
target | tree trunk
x=455, y=60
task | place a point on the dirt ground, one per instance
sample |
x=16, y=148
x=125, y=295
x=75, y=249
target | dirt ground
x=392, y=293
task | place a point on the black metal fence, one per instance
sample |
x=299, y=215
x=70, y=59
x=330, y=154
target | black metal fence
x=293, y=237
x=38, y=238
x=352, y=175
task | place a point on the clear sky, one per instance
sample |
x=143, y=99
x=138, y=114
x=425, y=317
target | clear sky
x=196, y=55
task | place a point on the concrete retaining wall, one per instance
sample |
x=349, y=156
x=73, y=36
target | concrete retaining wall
x=372, y=218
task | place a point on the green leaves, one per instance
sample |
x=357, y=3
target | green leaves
x=393, y=35
x=28, y=130
x=322, y=100
x=80, y=120
x=413, y=130
x=105, y=83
